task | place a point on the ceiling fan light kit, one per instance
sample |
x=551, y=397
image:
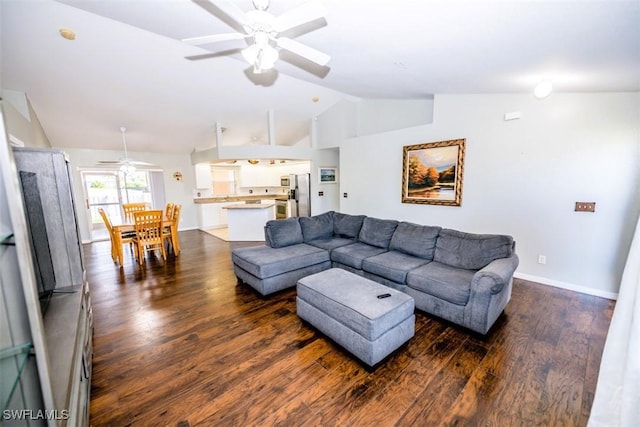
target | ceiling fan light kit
x=543, y=89
x=127, y=165
x=261, y=4
x=261, y=30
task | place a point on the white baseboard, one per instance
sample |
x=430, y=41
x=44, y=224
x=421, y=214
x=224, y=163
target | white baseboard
x=568, y=286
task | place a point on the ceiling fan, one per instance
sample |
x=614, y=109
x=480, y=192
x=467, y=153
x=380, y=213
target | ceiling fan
x=127, y=164
x=262, y=31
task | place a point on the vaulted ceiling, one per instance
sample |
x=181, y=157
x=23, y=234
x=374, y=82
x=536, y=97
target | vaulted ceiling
x=128, y=67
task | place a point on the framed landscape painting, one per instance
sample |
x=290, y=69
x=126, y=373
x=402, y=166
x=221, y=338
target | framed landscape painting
x=327, y=175
x=432, y=173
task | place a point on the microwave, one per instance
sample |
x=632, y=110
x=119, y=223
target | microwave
x=285, y=181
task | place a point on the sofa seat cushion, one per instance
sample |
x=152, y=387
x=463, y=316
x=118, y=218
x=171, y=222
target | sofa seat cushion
x=392, y=265
x=264, y=261
x=331, y=243
x=442, y=281
x=353, y=255
x=471, y=251
x=377, y=232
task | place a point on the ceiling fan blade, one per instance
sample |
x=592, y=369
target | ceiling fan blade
x=227, y=52
x=303, y=50
x=226, y=11
x=138, y=163
x=195, y=41
x=302, y=14
x=109, y=162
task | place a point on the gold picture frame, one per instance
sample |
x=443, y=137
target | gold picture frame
x=432, y=173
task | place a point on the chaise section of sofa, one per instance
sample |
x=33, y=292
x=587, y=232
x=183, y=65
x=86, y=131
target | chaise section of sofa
x=281, y=263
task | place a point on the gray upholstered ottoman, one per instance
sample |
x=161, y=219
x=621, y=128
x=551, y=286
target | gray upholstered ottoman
x=346, y=308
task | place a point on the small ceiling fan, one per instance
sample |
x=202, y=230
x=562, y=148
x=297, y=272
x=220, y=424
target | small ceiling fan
x=126, y=163
x=262, y=31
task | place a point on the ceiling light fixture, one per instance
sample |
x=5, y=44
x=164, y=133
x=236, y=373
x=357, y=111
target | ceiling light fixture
x=127, y=169
x=261, y=54
x=253, y=162
x=265, y=32
x=543, y=89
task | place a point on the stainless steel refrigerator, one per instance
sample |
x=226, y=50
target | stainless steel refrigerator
x=300, y=195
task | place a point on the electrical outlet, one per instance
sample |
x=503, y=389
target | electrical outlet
x=542, y=259
x=585, y=206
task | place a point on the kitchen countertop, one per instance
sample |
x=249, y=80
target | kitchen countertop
x=249, y=206
x=225, y=199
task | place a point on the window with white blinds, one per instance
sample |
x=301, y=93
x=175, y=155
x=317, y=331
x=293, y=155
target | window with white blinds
x=224, y=180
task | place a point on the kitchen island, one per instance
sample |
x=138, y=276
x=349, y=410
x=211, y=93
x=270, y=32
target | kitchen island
x=247, y=220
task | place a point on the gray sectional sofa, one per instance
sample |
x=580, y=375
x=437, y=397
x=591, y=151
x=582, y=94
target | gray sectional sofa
x=461, y=277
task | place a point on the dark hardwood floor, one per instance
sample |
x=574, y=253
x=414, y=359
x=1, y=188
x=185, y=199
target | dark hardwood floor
x=178, y=343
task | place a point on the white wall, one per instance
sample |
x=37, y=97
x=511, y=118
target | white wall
x=330, y=200
x=522, y=178
x=382, y=115
x=180, y=192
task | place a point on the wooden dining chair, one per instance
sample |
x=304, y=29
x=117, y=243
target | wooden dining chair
x=168, y=210
x=168, y=232
x=148, y=226
x=116, y=252
x=130, y=208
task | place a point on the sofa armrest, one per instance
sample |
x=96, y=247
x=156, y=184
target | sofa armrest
x=490, y=293
x=495, y=276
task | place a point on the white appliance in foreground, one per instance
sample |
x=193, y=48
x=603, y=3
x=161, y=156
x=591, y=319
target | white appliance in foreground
x=299, y=195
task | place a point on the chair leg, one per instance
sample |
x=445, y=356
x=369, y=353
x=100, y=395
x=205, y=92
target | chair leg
x=162, y=249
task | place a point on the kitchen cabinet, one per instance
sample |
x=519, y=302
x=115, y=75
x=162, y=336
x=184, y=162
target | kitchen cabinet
x=252, y=176
x=203, y=176
x=269, y=175
x=213, y=215
x=208, y=215
x=296, y=169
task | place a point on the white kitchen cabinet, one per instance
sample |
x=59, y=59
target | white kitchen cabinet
x=252, y=176
x=259, y=176
x=208, y=215
x=269, y=175
x=203, y=176
x=288, y=169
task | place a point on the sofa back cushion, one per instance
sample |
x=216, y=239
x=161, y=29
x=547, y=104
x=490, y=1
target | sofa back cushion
x=317, y=227
x=377, y=232
x=347, y=226
x=414, y=239
x=282, y=232
x=471, y=251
